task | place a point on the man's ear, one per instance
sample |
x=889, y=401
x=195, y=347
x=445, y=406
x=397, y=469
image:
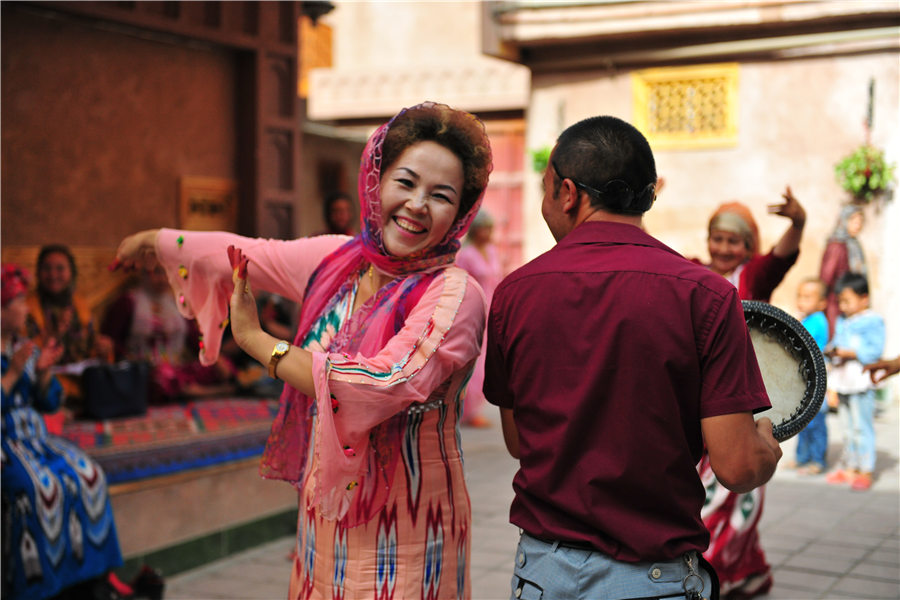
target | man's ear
x=570, y=196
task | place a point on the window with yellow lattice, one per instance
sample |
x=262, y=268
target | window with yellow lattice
x=687, y=107
x=315, y=51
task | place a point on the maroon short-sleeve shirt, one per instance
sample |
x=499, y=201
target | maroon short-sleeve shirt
x=610, y=348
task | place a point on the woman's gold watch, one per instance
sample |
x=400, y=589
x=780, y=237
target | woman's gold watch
x=280, y=349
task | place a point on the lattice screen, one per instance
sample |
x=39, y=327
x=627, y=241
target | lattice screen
x=687, y=107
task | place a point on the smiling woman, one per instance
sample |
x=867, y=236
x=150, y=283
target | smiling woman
x=733, y=245
x=420, y=196
x=389, y=332
x=732, y=518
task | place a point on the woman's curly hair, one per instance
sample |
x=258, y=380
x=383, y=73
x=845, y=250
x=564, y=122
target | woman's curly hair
x=458, y=131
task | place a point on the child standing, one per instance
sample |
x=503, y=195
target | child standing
x=858, y=340
x=812, y=442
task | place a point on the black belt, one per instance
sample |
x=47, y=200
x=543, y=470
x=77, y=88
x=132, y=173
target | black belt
x=569, y=544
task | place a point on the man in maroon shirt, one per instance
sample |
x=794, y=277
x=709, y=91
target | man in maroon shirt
x=614, y=360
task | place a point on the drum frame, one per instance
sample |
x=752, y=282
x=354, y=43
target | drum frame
x=791, y=335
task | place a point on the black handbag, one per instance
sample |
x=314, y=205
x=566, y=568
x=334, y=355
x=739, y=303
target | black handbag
x=116, y=390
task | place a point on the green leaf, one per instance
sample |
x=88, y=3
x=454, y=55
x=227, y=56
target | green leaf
x=540, y=158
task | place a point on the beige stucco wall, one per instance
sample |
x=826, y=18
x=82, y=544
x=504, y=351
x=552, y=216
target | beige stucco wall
x=391, y=33
x=797, y=118
x=387, y=55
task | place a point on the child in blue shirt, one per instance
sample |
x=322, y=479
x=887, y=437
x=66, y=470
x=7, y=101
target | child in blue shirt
x=858, y=340
x=812, y=442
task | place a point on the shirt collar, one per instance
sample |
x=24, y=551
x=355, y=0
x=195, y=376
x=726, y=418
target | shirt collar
x=608, y=232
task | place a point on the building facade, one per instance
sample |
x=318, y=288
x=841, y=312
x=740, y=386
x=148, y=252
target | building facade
x=738, y=100
x=120, y=116
x=390, y=55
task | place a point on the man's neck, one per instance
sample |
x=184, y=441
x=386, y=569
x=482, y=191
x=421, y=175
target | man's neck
x=592, y=213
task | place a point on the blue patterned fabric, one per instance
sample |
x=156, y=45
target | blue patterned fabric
x=58, y=527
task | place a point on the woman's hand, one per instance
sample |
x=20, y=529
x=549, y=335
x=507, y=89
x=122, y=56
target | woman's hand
x=19, y=358
x=244, y=314
x=790, y=208
x=136, y=251
x=789, y=244
x=295, y=368
x=49, y=356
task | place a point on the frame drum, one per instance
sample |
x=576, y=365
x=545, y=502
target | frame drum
x=791, y=364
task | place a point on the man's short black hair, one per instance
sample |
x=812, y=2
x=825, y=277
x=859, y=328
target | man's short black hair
x=855, y=281
x=611, y=161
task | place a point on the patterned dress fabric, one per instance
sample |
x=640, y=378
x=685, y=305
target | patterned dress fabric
x=58, y=527
x=735, y=551
x=413, y=540
x=418, y=545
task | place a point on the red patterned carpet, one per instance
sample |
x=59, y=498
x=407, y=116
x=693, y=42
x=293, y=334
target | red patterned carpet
x=169, y=439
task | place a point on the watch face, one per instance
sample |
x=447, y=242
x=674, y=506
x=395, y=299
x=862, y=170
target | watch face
x=282, y=347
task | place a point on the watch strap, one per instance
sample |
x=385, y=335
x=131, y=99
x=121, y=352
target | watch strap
x=281, y=348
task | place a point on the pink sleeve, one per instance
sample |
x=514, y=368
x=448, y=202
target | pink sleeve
x=197, y=266
x=440, y=338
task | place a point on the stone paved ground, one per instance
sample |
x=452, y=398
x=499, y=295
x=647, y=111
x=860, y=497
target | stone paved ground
x=824, y=542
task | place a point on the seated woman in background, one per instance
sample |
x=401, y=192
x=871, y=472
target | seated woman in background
x=57, y=311
x=144, y=324
x=58, y=529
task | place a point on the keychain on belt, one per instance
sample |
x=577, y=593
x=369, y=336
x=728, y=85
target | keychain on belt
x=692, y=580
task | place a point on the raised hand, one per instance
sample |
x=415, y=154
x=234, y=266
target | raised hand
x=790, y=208
x=789, y=243
x=244, y=314
x=136, y=251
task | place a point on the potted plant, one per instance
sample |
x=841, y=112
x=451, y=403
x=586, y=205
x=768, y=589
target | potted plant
x=864, y=173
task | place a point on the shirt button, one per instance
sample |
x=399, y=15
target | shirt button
x=518, y=592
x=656, y=573
x=521, y=559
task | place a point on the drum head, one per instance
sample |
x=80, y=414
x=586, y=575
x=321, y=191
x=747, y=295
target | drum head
x=792, y=367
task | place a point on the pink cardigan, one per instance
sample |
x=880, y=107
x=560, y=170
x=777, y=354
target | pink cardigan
x=438, y=342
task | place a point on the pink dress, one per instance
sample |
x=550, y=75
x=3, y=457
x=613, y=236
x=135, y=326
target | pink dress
x=418, y=544
x=488, y=273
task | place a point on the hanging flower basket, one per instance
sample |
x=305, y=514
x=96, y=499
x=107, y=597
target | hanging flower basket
x=864, y=173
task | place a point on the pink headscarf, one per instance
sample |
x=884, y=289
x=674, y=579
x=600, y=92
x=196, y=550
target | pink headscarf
x=384, y=315
x=14, y=282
